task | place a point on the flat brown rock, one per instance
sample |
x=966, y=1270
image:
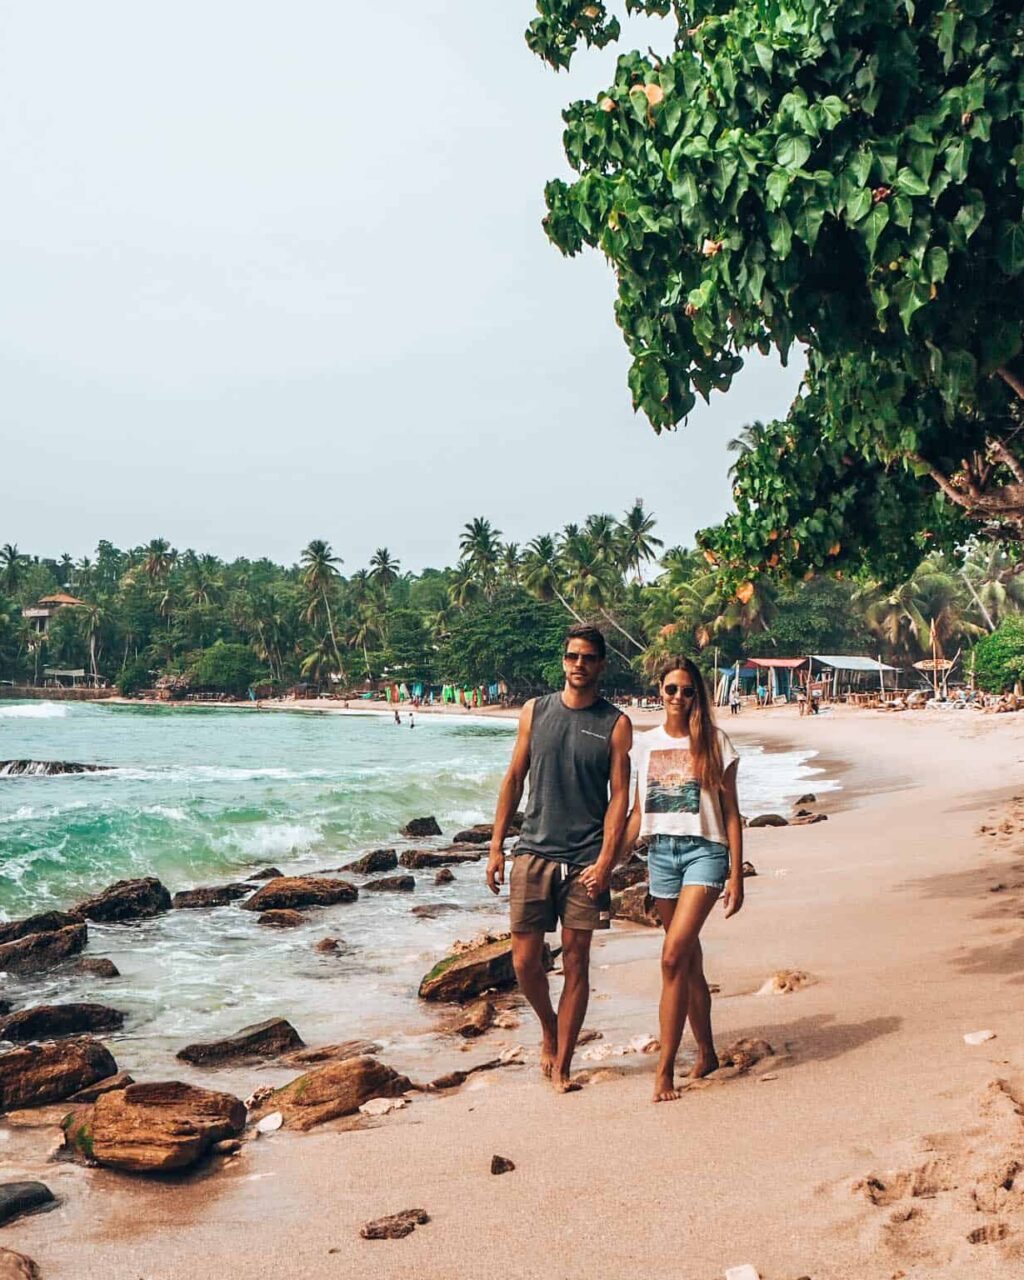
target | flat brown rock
x=391, y=884
x=97, y=967
x=282, y=918
x=478, y=1019
x=374, y=862
x=332, y=1053
x=480, y=834
x=267, y=1039
x=468, y=974
x=288, y=892
x=395, y=1226
x=50, y=1021
x=45, y=922
x=635, y=904
x=120, y=1081
x=126, y=900
x=415, y=859
x=42, y=1073
x=37, y=951
x=153, y=1128
x=768, y=820
x=445, y=876
x=15, y=1266
x=267, y=873
x=338, y=1089
x=218, y=895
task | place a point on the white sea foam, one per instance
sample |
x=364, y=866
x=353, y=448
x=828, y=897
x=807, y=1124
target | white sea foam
x=268, y=840
x=33, y=711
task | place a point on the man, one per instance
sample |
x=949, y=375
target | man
x=574, y=747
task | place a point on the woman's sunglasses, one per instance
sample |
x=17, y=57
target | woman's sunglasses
x=687, y=690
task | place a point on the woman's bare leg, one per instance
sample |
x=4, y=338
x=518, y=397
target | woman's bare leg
x=698, y=1012
x=685, y=921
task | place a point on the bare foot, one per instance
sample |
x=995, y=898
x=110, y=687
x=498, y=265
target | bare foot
x=703, y=1066
x=565, y=1084
x=664, y=1088
x=548, y=1053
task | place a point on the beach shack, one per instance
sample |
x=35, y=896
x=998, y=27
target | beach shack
x=850, y=677
x=764, y=680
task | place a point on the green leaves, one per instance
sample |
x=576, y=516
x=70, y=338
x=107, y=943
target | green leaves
x=877, y=221
x=1010, y=248
x=792, y=151
x=911, y=183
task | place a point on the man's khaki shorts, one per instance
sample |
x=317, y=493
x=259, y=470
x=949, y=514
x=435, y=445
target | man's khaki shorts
x=543, y=892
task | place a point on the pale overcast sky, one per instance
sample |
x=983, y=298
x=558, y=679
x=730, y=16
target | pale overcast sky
x=275, y=272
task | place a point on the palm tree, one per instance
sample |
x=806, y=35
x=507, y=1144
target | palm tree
x=995, y=582
x=93, y=618
x=320, y=577
x=465, y=587
x=383, y=569
x=511, y=562
x=638, y=541
x=479, y=549
x=320, y=661
x=159, y=559
x=748, y=440
x=604, y=536
x=13, y=566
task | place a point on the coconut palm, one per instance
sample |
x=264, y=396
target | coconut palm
x=510, y=562
x=159, y=558
x=480, y=550
x=384, y=570
x=639, y=545
x=748, y=440
x=12, y=567
x=320, y=578
x=93, y=619
x=320, y=663
x=603, y=533
x=995, y=583
x=465, y=587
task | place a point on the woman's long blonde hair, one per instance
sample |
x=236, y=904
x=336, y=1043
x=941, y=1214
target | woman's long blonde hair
x=705, y=748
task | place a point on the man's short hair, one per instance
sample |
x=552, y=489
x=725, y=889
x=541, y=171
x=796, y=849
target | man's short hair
x=584, y=631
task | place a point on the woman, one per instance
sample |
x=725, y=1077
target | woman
x=686, y=806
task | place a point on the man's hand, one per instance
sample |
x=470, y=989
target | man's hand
x=496, y=870
x=733, y=896
x=596, y=879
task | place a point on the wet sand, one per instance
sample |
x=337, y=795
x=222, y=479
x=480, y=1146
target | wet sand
x=805, y=1166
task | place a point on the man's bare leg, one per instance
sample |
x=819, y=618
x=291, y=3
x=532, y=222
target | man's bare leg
x=528, y=959
x=572, y=1007
x=687, y=919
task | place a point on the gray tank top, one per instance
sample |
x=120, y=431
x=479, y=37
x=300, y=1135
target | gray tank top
x=570, y=763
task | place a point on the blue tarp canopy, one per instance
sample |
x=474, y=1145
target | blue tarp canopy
x=840, y=662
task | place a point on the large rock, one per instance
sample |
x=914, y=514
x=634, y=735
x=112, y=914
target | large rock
x=300, y=891
x=374, y=862
x=49, y=1021
x=97, y=967
x=39, y=1074
x=636, y=905
x=391, y=884
x=418, y=828
x=462, y=977
x=42, y=950
x=415, y=859
x=126, y=900
x=47, y=768
x=121, y=1081
x=338, y=1089
x=768, y=820
x=262, y=1040
x=15, y=1266
x=17, y=1198
x=332, y=1053
x=218, y=895
x=632, y=871
x=153, y=1128
x=46, y=922
x=480, y=834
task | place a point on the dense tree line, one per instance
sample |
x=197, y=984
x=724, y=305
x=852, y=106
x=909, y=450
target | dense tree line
x=498, y=612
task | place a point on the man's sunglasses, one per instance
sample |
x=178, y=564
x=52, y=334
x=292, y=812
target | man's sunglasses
x=585, y=658
x=687, y=690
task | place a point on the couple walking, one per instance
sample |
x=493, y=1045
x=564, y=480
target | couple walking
x=575, y=748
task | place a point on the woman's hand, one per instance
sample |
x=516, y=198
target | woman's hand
x=732, y=899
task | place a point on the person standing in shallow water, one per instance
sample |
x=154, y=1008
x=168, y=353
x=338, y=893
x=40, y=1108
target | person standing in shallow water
x=686, y=806
x=574, y=747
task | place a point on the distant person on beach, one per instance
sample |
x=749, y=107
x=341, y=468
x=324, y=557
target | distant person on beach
x=574, y=747
x=686, y=806
x=734, y=699
x=412, y=722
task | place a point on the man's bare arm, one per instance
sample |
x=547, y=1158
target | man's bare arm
x=597, y=877
x=508, y=798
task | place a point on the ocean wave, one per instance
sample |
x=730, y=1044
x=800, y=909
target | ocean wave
x=268, y=840
x=33, y=711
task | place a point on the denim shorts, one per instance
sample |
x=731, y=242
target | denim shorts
x=675, y=861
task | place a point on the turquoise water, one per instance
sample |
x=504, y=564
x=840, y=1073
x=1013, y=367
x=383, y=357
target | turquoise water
x=201, y=796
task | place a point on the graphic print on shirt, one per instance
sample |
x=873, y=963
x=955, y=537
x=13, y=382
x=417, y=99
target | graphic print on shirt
x=671, y=784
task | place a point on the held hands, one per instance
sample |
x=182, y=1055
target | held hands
x=496, y=870
x=732, y=899
x=595, y=879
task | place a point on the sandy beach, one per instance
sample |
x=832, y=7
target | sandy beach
x=874, y=1143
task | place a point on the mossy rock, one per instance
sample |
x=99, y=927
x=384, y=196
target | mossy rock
x=463, y=977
